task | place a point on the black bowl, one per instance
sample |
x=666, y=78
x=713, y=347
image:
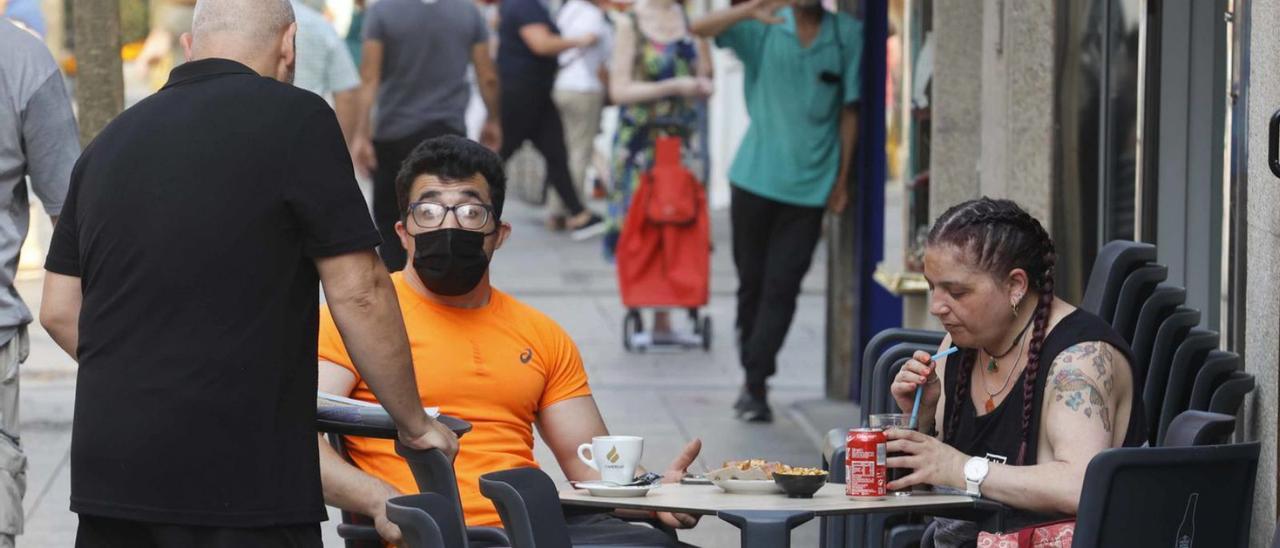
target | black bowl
x=800, y=486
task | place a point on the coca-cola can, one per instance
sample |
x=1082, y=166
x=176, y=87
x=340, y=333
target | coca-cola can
x=865, y=464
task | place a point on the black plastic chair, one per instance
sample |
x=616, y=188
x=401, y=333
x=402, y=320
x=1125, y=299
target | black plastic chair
x=529, y=505
x=1162, y=304
x=904, y=536
x=1170, y=336
x=1217, y=368
x=373, y=422
x=1113, y=265
x=425, y=521
x=881, y=342
x=1187, y=361
x=1228, y=398
x=887, y=367
x=1137, y=288
x=1168, y=491
x=1197, y=428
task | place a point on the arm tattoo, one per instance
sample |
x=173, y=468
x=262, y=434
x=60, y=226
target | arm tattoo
x=1078, y=391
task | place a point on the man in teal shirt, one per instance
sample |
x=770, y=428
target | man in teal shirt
x=801, y=86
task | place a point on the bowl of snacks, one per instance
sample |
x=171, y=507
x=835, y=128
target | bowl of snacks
x=753, y=476
x=800, y=483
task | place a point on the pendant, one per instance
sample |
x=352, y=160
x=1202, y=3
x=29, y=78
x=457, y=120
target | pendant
x=991, y=404
x=992, y=365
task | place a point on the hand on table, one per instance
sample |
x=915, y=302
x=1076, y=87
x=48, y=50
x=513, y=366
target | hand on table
x=674, y=474
x=931, y=461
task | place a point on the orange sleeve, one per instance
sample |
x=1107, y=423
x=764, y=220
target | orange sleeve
x=332, y=348
x=566, y=376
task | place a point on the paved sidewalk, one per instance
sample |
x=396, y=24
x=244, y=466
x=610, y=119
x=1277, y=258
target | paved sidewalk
x=668, y=398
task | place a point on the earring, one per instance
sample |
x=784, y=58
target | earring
x=1015, y=304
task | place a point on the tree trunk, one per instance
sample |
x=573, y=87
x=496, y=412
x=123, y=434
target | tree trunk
x=99, y=79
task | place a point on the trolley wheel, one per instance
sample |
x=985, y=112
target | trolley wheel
x=631, y=324
x=705, y=328
x=696, y=321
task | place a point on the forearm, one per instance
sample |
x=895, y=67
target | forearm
x=1051, y=487
x=491, y=91
x=716, y=22
x=371, y=326
x=551, y=45
x=346, y=106
x=631, y=92
x=363, y=117
x=848, y=141
x=350, y=488
x=66, y=333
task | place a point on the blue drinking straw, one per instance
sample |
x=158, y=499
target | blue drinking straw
x=915, y=409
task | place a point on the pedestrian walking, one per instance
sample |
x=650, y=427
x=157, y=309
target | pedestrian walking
x=802, y=85
x=414, y=62
x=184, y=278
x=529, y=44
x=38, y=139
x=324, y=66
x=660, y=73
x=580, y=90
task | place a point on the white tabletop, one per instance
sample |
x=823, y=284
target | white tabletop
x=709, y=499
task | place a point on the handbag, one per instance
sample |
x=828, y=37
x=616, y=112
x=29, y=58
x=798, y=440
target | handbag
x=1056, y=534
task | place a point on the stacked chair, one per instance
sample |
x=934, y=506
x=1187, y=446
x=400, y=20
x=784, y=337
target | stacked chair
x=1192, y=392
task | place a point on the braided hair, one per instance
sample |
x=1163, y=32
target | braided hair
x=1001, y=236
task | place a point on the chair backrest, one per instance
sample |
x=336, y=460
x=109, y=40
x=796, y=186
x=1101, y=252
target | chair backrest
x=1137, y=288
x=1191, y=428
x=1170, y=336
x=527, y=502
x=425, y=521
x=1218, y=366
x=1205, y=493
x=1187, y=361
x=1162, y=303
x=887, y=366
x=433, y=471
x=1230, y=395
x=878, y=344
x=1116, y=260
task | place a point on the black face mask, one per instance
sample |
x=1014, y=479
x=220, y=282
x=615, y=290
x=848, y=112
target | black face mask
x=450, y=261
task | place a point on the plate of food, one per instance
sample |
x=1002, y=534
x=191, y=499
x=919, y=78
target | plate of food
x=748, y=477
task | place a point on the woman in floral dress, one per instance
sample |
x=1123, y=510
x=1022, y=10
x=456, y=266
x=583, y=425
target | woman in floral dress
x=659, y=76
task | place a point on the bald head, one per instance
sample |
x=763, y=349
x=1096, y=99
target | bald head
x=258, y=33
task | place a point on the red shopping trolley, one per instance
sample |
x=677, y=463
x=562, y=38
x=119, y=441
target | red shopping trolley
x=663, y=253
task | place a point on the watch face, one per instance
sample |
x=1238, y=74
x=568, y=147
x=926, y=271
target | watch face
x=975, y=469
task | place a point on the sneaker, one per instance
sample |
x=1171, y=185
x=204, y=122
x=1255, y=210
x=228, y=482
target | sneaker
x=756, y=411
x=593, y=227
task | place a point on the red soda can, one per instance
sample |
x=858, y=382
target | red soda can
x=865, y=464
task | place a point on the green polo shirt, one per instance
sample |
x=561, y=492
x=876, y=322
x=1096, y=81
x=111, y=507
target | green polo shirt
x=791, y=152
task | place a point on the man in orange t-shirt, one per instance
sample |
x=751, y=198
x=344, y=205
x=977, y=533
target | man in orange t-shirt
x=480, y=355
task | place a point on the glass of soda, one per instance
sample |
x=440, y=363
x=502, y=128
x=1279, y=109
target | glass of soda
x=893, y=420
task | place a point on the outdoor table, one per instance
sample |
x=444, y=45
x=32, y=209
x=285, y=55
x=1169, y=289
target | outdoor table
x=766, y=520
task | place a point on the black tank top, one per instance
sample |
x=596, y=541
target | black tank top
x=1000, y=431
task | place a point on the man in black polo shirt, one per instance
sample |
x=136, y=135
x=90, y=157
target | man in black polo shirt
x=183, y=277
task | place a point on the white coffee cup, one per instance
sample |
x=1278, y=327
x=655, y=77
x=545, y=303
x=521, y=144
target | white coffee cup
x=615, y=457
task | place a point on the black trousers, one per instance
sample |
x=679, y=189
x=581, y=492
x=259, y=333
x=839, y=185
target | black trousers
x=773, y=246
x=529, y=114
x=99, y=532
x=391, y=154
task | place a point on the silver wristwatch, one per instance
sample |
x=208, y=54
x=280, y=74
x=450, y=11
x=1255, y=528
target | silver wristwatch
x=975, y=471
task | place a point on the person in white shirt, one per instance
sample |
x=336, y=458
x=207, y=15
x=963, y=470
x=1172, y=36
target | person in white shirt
x=580, y=88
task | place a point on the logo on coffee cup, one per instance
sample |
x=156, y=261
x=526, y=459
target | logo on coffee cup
x=612, y=455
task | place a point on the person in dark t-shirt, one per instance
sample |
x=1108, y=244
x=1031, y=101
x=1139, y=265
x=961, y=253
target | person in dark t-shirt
x=183, y=276
x=528, y=48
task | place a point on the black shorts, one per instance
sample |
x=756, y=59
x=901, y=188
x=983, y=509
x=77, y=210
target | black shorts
x=98, y=532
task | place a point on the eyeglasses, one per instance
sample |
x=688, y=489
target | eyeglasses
x=432, y=215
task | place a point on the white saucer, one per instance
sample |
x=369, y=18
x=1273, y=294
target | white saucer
x=601, y=489
x=748, y=487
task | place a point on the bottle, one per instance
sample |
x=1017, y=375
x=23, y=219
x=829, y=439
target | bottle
x=1187, y=530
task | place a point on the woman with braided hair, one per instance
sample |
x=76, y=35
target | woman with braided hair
x=1039, y=386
